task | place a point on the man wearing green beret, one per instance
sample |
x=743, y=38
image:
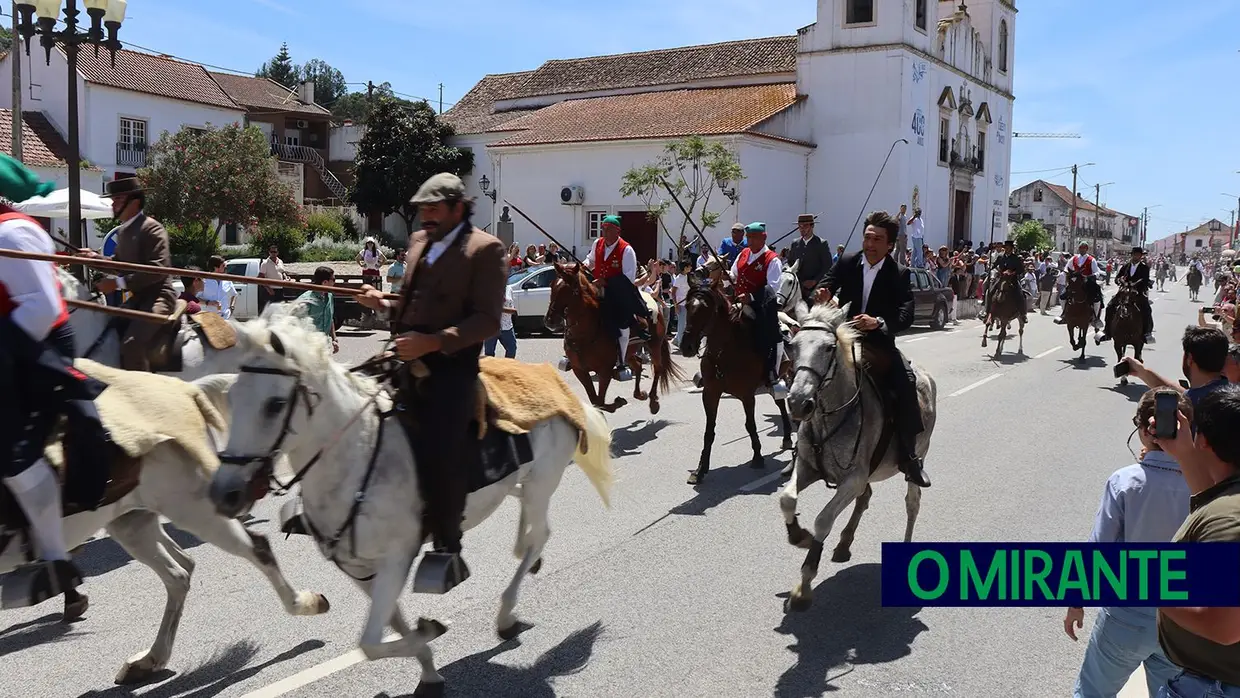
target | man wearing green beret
x=613, y=262
x=755, y=277
x=451, y=300
x=39, y=385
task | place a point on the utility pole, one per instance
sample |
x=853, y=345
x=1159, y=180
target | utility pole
x=441, y=98
x=1145, y=225
x=16, y=55
x=1074, y=198
x=1094, y=237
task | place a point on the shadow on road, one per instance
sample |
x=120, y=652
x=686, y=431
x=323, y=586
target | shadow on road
x=628, y=441
x=846, y=626
x=1132, y=391
x=1091, y=361
x=1008, y=358
x=104, y=555
x=226, y=668
x=477, y=675
x=16, y=638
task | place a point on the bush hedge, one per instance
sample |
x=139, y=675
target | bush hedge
x=324, y=225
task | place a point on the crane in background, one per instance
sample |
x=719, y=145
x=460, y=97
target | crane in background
x=1025, y=134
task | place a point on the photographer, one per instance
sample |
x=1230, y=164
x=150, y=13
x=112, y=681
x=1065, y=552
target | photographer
x=1205, y=354
x=1142, y=503
x=1206, y=641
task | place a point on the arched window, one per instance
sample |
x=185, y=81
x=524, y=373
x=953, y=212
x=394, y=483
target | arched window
x=1003, y=46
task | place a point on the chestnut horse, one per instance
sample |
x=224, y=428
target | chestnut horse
x=730, y=365
x=574, y=309
x=1078, y=311
x=1005, y=306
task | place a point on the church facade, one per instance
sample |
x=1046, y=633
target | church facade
x=918, y=90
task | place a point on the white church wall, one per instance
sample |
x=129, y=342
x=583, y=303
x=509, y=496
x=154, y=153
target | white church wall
x=773, y=190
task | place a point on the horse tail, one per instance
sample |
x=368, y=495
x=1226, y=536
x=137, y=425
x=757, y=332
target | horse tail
x=595, y=460
x=667, y=369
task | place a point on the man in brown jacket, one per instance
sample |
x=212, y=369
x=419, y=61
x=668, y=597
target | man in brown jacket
x=141, y=240
x=451, y=301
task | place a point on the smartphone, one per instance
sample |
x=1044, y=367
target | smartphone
x=1209, y=309
x=1166, y=415
x=1122, y=369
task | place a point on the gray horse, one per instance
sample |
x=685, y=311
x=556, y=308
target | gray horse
x=845, y=438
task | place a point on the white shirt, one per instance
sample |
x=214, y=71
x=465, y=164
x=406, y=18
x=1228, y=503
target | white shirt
x=868, y=274
x=31, y=285
x=773, y=271
x=216, y=291
x=628, y=263
x=1079, y=260
x=916, y=229
x=438, y=248
x=505, y=319
x=680, y=289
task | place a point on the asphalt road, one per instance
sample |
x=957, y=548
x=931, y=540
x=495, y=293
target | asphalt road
x=673, y=591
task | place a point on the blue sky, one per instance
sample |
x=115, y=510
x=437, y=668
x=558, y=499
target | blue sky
x=1150, y=86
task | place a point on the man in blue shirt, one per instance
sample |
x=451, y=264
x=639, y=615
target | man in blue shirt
x=1205, y=356
x=731, y=248
x=1142, y=503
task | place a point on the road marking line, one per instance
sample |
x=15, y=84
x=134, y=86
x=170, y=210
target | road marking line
x=308, y=676
x=1048, y=352
x=761, y=482
x=916, y=339
x=978, y=384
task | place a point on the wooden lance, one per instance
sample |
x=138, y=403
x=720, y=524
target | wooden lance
x=580, y=265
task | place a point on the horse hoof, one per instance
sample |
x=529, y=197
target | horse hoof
x=654, y=407
x=323, y=605
x=786, y=445
x=799, y=602
x=639, y=396
x=137, y=671
x=536, y=567
x=1123, y=381
x=758, y=462
x=429, y=690
x=696, y=477
x=76, y=609
x=841, y=555
x=511, y=632
x=431, y=628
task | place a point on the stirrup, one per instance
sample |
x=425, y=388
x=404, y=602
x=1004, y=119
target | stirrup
x=563, y=364
x=623, y=374
x=292, y=518
x=439, y=573
x=32, y=584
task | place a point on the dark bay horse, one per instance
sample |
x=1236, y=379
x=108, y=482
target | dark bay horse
x=1193, y=279
x=1078, y=311
x=1128, y=328
x=730, y=365
x=1006, y=306
x=574, y=309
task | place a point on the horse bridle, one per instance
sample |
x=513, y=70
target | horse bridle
x=824, y=379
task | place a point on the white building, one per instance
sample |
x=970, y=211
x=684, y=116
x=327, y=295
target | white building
x=811, y=117
x=1107, y=232
x=122, y=109
x=45, y=153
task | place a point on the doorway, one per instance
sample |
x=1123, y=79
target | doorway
x=961, y=217
x=642, y=233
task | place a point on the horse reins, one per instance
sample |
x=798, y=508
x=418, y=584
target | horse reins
x=848, y=407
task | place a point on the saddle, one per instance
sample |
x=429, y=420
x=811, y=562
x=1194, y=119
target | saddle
x=165, y=350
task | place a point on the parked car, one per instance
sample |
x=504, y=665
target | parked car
x=931, y=300
x=531, y=291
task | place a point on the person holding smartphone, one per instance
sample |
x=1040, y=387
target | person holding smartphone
x=1205, y=355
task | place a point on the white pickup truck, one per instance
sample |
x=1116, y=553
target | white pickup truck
x=247, y=294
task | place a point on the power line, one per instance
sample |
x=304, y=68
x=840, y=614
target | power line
x=1053, y=169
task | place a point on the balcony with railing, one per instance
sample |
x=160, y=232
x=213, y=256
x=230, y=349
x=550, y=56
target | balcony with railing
x=131, y=154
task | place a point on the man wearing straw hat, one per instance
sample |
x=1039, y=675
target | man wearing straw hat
x=39, y=384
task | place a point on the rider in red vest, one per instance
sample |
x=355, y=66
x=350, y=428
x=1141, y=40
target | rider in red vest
x=1084, y=264
x=755, y=278
x=39, y=384
x=613, y=263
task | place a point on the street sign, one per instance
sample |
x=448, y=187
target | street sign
x=1132, y=222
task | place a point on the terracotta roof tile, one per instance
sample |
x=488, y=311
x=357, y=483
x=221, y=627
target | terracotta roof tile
x=154, y=75
x=42, y=144
x=668, y=114
x=475, y=112
x=1082, y=204
x=264, y=94
x=662, y=67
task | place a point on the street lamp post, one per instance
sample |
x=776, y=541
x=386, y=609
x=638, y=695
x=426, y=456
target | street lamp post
x=103, y=14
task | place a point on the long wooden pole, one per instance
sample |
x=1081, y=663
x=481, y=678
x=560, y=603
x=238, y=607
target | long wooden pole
x=119, y=312
x=112, y=265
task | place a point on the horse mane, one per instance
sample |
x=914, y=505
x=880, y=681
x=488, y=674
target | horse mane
x=304, y=347
x=70, y=287
x=836, y=318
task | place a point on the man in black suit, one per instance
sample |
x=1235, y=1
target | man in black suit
x=1137, y=274
x=813, y=254
x=880, y=304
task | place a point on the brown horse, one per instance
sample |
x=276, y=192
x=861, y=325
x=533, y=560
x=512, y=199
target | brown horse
x=1128, y=325
x=574, y=309
x=1006, y=305
x=1078, y=311
x=730, y=365
x=1193, y=279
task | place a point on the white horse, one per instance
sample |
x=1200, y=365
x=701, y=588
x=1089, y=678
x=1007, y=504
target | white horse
x=359, y=480
x=174, y=480
x=844, y=439
x=96, y=336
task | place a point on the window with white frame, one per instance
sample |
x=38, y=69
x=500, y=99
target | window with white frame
x=594, y=229
x=133, y=132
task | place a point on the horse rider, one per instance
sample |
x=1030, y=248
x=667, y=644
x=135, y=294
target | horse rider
x=1137, y=274
x=813, y=255
x=613, y=263
x=1009, y=261
x=880, y=304
x=755, y=279
x=451, y=300
x=1083, y=263
x=140, y=239
x=731, y=247
x=39, y=385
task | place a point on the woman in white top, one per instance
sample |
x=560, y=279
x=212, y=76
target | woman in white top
x=218, y=297
x=371, y=260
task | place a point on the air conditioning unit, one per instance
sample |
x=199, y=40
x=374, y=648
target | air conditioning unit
x=303, y=124
x=572, y=196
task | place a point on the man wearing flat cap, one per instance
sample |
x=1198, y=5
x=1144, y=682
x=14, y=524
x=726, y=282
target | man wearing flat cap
x=755, y=276
x=1136, y=273
x=451, y=301
x=731, y=248
x=613, y=263
x=810, y=255
x=140, y=239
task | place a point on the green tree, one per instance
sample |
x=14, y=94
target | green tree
x=357, y=105
x=690, y=168
x=401, y=149
x=1032, y=235
x=281, y=69
x=329, y=85
x=6, y=39
x=225, y=174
